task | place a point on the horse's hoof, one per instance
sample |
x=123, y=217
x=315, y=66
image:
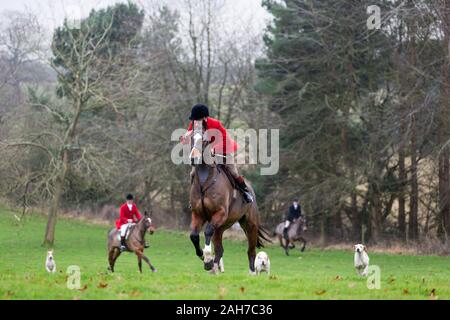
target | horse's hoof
x=209, y=265
x=287, y=253
x=252, y=273
x=154, y=270
x=214, y=269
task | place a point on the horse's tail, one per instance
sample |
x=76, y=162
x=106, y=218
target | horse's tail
x=263, y=235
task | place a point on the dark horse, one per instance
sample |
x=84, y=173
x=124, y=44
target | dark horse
x=135, y=242
x=295, y=233
x=216, y=202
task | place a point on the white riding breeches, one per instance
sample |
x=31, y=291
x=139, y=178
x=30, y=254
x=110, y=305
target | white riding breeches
x=124, y=228
x=287, y=224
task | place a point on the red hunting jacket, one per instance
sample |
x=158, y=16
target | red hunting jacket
x=220, y=145
x=126, y=214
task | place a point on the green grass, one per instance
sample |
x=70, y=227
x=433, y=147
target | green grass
x=314, y=274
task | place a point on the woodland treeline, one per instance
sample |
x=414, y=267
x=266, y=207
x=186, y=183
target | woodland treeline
x=86, y=114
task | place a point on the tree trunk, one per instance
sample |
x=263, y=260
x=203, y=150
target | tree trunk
x=375, y=211
x=49, y=239
x=172, y=206
x=443, y=136
x=338, y=234
x=356, y=217
x=59, y=186
x=413, y=227
x=323, y=229
x=401, y=196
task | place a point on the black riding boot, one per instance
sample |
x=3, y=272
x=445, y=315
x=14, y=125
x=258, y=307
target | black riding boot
x=248, y=197
x=285, y=234
x=123, y=245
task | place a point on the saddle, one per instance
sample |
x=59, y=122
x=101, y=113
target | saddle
x=229, y=175
x=222, y=167
x=127, y=234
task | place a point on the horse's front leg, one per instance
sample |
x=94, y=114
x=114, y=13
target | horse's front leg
x=149, y=263
x=216, y=231
x=304, y=244
x=288, y=243
x=196, y=226
x=207, y=251
x=139, y=257
x=114, y=253
x=218, y=250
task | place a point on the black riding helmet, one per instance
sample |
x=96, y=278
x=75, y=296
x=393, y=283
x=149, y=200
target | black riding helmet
x=199, y=111
x=129, y=197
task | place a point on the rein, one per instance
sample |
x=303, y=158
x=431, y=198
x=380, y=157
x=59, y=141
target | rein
x=203, y=191
x=140, y=232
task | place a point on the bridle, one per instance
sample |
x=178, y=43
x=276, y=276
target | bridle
x=141, y=225
x=202, y=188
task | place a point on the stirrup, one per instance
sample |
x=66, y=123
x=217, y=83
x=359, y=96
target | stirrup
x=286, y=234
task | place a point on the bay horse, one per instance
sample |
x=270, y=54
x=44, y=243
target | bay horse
x=135, y=242
x=295, y=233
x=214, y=201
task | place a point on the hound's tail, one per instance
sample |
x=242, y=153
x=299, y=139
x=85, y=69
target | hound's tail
x=263, y=235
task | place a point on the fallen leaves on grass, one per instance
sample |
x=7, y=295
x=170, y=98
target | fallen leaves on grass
x=242, y=289
x=134, y=293
x=222, y=292
x=102, y=285
x=84, y=288
x=320, y=292
x=391, y=280
x=405, y=291
x=433, y=294
x=273, y=277
x=338, y=278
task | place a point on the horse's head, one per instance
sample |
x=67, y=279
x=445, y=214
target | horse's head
x=303, y=224
x=201, y=160
x=198, y=145
x=147, y=223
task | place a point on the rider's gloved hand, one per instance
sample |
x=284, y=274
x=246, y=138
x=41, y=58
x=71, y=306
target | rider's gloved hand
x=184, y=138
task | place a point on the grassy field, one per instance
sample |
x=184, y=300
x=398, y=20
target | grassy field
x=314, y=274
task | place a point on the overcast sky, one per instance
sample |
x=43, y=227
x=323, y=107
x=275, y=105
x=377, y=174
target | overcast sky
x=52, y=12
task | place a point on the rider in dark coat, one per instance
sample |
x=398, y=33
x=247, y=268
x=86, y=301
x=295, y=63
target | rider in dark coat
x=294, y=212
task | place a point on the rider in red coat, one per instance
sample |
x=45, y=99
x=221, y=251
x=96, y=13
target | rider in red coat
x=129, y=213
x=222, y=144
